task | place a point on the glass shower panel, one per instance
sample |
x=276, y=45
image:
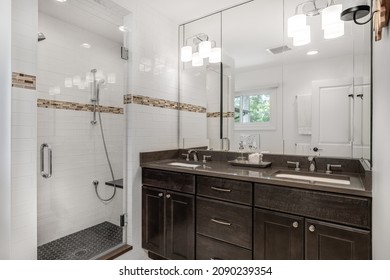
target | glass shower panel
x=81, y=129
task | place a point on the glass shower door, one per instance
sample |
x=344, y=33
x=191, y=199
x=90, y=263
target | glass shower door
x=81, y=129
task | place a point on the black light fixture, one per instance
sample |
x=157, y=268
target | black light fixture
x=356, y=12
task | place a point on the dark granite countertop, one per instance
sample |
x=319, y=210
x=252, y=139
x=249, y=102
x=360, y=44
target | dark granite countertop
x=222, y=169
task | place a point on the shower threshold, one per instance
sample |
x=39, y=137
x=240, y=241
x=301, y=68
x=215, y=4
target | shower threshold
x=83, y=245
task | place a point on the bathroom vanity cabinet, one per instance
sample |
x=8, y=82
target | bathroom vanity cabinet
x=168, y=214
x=237, y=219
x=342, y=233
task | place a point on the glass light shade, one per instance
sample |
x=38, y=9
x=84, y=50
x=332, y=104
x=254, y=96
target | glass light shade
x=331, y=16
x=334, y=31
x=216, y=55
x=205, y=49
x=302, y=38
x=197, y=60
x=296, y=24
x=68, y=82
x=186, y=54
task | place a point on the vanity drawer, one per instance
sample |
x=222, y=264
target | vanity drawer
x=225, y=221
x=211, y=249
x=175, y=181
x=344, y=209
x=224, y=189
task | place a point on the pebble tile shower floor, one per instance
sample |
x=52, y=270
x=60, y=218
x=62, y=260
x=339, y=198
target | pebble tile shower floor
x=82, y=245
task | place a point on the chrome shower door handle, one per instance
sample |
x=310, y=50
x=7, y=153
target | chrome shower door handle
x=48, y=174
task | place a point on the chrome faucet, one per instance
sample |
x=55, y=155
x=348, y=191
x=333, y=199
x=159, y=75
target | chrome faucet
x=312, y=164
x=196, y=158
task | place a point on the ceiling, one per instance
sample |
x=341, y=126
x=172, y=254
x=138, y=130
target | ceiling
x=181, y=11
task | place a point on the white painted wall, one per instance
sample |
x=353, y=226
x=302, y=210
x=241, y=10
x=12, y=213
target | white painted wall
x=5, y=129
x=381, y=148
x=153, y=40
x=67, y=202
x=24, y=126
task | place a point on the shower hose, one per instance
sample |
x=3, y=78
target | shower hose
x=108, y=160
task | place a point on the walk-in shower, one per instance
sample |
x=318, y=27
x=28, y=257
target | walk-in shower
x=81, y=129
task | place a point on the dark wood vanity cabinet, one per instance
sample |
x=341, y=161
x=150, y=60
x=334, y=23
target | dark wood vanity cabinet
x=278, y=236
x=186, y=216
x=168, y=217
x=223, y=219
x=284, y=236
x=326, y=241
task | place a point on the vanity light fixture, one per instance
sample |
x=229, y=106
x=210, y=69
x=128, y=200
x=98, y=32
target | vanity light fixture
x=331, y=24
x=354, y=10
x=200, y=48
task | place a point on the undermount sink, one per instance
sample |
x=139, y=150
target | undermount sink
x=180, y=164
x=314, y=177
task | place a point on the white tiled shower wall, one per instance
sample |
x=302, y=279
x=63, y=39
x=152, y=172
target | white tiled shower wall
x=24, y=116
x=67, y=201
x=153, y=73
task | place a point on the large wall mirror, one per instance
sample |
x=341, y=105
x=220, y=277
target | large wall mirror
x=308, y=94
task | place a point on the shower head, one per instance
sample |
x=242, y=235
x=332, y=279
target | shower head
x=41, y=36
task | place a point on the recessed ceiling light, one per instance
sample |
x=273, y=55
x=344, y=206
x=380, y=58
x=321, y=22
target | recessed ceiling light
x=123, y=28
x=61, y=1
x=312, y=53
x=86, y=45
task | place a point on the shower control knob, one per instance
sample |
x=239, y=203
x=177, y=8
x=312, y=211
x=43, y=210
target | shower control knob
x=160, y=194
x=168, y=196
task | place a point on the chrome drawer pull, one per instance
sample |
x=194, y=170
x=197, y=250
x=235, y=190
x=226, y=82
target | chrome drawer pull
x=221, y=222
x=220, y=189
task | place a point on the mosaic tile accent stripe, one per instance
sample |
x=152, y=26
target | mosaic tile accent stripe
x=218, y=114
x=64, y=105
x=162, y=103
x=25, y=81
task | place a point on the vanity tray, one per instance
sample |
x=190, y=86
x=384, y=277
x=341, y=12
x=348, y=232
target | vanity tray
x=246, y=163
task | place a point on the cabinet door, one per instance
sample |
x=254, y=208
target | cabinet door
x=278, y=236
x=325, y=241
x=180, y=226
x=153, y=208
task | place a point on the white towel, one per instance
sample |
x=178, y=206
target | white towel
x=304, y=114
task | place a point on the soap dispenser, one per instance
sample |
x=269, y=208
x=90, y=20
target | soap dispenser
x=312, y=164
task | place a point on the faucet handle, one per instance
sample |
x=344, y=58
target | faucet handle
x=205, y=158
x=331, y=167
x=296, y=163
x=187, y=156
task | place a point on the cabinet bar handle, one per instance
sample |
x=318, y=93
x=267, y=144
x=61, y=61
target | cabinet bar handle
x=217, y=221
x=221, y=189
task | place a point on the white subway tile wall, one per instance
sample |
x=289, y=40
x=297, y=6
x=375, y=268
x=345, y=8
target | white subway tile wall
x=24, y=126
